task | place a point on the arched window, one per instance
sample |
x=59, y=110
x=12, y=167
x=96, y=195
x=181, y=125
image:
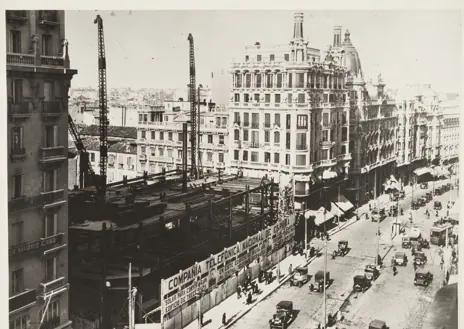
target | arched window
x=276, y=137
x=236, y=135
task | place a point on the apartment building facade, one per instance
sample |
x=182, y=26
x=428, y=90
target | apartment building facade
x=289, y=114
x=449, y=131
x=159, y=137
x=38, y=81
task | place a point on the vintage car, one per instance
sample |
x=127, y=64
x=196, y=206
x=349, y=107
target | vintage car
x=378, y=214
x=319, y=281
x=415, y=247
x=361, y=283
x=406, y=242
x=425, y=244
x=422, y=277
x=400, y=258
x=424, y=185
x=415, y=205
x=371, y=272
x=402, y=194
x=283, y=315
x=429, y=196
x=422, y=201
x=393, y=211
x=300, y=277
x=342, y=248
x=437, y=205
x=378, y=324
x=420, y=258
x=439, y=191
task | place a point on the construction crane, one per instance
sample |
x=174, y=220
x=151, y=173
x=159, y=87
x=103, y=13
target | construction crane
x=103, y=110
x=193, y=116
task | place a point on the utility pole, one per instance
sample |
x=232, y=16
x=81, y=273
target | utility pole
x=306, y=229
x=378, y=218
x=129, y=292
x=325, y=260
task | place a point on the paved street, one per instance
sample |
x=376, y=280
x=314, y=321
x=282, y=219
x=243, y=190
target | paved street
x=363, y=241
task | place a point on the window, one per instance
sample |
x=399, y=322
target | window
x=221, y=139
x=277, y=98
x=344, y=121
x=50, y=225
x=221, y=157
x=246, y=98
x=161, y=135
x=143, y=134
x=258, y=58
x=238, y=80
x=267, y=98
x=245, y=135
x=236, y=154
x=301, y=121
x=301, y=141
x=288, y=121
x=17, y=90
x=236, y=135
x=276, y=137
x=53, y=311
x=15, y=42
x=267, y=157
x=248, y=80
x=299, y=80
x=258, y=80
x=277, y=119
x=325, y=119
x=254, y=156
x=271, y=57
x=161, y=151
x=266, y=136
x=256, y=98
x=301, y=160
x=279, y=80
x=180, y=137
x=17, y=233
x=17, y=138
x=21, y=322
x=50, y=269
x=170, y=136
x=47, y=45
x=276, y=157
x=209, y=156
x=245, y=155
x=324, y=154
x=51, y=136
x=92, y=157
x=254, y=137
x=246, y=119
x=237, y=98
x=301, y=98
x=49, y=180
x=287, y=140
x=287, y=57
x=210, y=139
x=17, y=186
x=287, y=159
x=289, y=98
x=290, y=80
x=325, y=135
x=268, y=80
x=17, y=281
x=237, y=117
x=142, y=149
x=153, y=135
x=49, y=91
x=344, y=134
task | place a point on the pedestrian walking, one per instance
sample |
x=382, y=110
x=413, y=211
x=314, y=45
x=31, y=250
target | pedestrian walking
x=224, y=322
x=290, y=269
x=239, y=292
x=201, y=320
x=278, y=272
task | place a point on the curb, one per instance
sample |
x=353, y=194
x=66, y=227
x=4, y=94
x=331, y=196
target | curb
x=284, y=280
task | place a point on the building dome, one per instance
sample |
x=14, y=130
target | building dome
x=350, y=58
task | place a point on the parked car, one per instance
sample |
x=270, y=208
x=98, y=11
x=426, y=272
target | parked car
x=401, y=259
x=371, y=272
x=283, y=315
x=361, y=283
x=423, y=277
x=415, y=205
x=437, y=205
x=319, y=280
x=429, y=196
x=378, y=324
x=300, y=277
x=406, y=242
x=420, y=258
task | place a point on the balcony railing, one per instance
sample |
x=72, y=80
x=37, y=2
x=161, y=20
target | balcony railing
x=51, y=108
x=301, y=147
x=267, y=125
x=52, y=154
x=52, y=61
x=246, y=124
x=19, y=59
x=18, y=153
x=20, y=110
x=17, y=15
x=343, y=157
x=48, y=17
x=325, y=143
x=50, y=286
x=22, y=300
x=42, y=200
x=255, y=125
x=143, y=157
x=254, y=145
x=37, y=246
x=326, y=125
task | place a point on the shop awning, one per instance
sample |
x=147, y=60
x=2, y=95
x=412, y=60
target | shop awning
x=335, y=210
x=391, y=186
x=343, y=203
x=320, y=218
x=422, y=171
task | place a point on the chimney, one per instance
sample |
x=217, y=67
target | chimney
x=298, y=26
x=337, y=39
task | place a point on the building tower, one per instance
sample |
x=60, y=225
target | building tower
x=38, y=80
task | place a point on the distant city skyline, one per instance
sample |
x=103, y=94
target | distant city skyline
x=149, y=49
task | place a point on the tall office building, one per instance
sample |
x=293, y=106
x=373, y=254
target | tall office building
x=38, y=80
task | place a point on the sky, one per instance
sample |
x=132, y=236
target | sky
x=149, y=49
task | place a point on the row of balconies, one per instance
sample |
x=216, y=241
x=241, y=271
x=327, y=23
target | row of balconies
x=169, y=125
x=208, y=163
x=46, y=154
x=268, y=125
x=43, y=200
x=310, y=105
x=178, y=144
x=23, y=110
x=309, y=85
x=46, y=17
x=30, y=60
x=298, y=147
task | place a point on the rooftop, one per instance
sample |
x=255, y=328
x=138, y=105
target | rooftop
x=113, y=131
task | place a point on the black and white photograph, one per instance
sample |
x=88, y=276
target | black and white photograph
x=232, y=169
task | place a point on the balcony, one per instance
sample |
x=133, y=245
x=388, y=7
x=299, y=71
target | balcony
x=37, y=246
x=143, y=158
x=267, y=125
x=19, y=59
x=328, y=162
x=52, y=61
x=52, y=154
x=18, y=153
x=21, y=110
x=52, y=287
x=301, y=147
x=325, y=144
x=246, y=124
x=255, y=125
x=51, y=108
x=48, y=18
x=254, y=145
x=16, y=16
x=23, y=300
x=326, y=125
x=343, y=157
x=44, y=199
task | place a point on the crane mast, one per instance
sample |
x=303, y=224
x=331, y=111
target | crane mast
x=103, y=126
x=193, y=118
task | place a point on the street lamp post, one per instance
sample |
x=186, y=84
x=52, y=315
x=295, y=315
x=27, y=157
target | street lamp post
x=325, y=256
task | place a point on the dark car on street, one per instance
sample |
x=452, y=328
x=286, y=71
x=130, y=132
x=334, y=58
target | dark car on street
x=283, y=316
x=378, y=324
x=423, y=277
x=415, y=205
x=361, y=283
x=437, y=205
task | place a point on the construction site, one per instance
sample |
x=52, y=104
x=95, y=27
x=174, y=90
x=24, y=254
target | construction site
x=159, y=223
